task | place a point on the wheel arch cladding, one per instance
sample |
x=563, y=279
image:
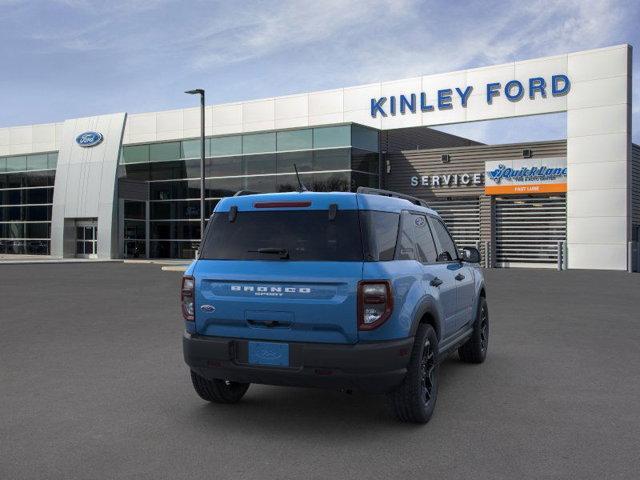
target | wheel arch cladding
x=427, y=313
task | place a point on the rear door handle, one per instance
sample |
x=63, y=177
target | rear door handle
x=436, y=282
x=459, y=277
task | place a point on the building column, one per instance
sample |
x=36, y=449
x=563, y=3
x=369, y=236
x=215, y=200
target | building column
x=599, y=158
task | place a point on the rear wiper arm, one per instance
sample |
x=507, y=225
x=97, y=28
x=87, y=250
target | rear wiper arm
x=283, y=252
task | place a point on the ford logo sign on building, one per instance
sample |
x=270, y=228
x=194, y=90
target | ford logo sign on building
x=89, y=139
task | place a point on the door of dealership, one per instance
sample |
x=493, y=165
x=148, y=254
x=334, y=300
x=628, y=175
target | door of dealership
x=87, y=238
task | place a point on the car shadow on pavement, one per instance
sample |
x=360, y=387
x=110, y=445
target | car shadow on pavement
x=310, y=410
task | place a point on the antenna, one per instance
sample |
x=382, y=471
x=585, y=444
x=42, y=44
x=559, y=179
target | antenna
x=302, y=187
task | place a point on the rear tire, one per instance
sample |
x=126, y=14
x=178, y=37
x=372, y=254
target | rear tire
x=475, y=349
x=218, y=391
x=414, y=400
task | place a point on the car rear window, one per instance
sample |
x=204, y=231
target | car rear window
x=303, y=234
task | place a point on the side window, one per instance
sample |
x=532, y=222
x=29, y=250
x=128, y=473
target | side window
x=380, y=230
x=406, y=241
x=445, y=246
x=425, y=248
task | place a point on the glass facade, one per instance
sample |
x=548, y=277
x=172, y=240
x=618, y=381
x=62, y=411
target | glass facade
x=333, y=158
x=26, y=197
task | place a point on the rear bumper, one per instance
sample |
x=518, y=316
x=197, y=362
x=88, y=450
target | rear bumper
x=374, y=367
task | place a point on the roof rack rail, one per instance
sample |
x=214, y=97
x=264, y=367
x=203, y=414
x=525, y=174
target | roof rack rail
x=389, y=193
x=242, y=193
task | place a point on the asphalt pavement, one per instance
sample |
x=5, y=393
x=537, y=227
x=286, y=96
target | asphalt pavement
x=93, y=386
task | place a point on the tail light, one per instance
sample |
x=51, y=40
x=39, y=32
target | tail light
x=186, y=298
x=375, y=303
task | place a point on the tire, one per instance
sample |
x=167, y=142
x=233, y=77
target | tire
x=218, y=391
x=475, y=349
x=414, y=400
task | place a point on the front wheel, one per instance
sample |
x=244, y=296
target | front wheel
x=218, y=391
x=414, y=400
x=475, y=349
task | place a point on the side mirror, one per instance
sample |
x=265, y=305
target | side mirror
x=471, y=255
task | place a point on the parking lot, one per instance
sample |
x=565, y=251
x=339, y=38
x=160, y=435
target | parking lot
x=93, y=385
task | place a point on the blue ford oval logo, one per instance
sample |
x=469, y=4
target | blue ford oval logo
x=89, y=139
x=207, y=308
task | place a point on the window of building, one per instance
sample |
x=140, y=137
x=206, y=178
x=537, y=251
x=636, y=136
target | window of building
x=295, y=140
x=302, y=160
x=223, y=146
x=259, y=143
x=52, y=160
x=260, y=164
x=192, y=148
x=161, y=152
x=37, y=162
x=364, y=161
x=339, y=159
x=327, y=137
x=135, y=154
x=16, y=164
x=364, y=138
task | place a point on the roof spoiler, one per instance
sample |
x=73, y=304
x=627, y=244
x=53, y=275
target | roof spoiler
x=242, y=193
x=389, y=193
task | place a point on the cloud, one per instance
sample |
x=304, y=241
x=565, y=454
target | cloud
x=260, y=48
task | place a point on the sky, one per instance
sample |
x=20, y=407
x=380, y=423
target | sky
x=72, y=58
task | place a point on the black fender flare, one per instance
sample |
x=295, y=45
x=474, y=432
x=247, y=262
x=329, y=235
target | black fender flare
x=427, y=306
x=481, y=289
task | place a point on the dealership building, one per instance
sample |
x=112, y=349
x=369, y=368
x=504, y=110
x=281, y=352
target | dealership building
x=127, y=185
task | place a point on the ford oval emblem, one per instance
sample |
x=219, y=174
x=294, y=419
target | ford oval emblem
x=89, y=139
x=207, y=308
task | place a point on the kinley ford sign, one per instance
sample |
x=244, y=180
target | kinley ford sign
x=504, y=177
x=445, y=99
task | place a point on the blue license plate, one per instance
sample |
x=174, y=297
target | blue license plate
x=267, y=353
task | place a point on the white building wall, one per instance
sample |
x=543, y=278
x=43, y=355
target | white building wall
x=599, y=158
x=86, y=184
x=27, y=139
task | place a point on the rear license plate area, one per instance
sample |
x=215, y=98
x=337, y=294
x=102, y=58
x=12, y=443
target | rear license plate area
x=269, y=353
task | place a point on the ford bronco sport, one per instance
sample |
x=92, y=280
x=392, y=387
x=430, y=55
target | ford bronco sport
x=356, y=291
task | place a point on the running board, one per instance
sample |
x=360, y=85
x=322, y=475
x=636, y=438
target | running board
x=457, y=341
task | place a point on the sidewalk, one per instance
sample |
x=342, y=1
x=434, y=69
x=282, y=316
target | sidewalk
x=9, y=259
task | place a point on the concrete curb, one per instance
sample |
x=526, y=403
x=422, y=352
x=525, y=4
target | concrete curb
x=174, y=268
x=57, y=261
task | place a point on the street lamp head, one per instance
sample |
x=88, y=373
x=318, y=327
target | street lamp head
x=197, y=91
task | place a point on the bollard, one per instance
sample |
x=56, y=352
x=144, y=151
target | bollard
x=487, y=263
x=560, y=254
x=633, y=257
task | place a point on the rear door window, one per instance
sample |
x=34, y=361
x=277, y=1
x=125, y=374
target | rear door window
x=445, y=246
x=406, y=238
x=415, y=241
x=380, y=232
x=425, y=247
x=304, y=235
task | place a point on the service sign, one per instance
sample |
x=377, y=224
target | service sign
x=525, y=176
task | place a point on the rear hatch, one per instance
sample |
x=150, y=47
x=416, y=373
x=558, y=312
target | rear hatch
x=284, y=271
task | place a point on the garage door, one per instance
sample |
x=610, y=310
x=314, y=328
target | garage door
x=528, y=230
x=462, y=217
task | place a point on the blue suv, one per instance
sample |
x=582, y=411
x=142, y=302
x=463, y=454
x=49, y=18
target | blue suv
x=355, y=291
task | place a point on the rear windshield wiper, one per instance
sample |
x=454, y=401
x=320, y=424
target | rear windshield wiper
x=283, y=252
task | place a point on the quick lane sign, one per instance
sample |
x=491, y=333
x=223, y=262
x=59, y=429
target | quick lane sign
x=526, y=175
x=445, y=99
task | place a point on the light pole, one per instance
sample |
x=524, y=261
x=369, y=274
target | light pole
x=200, y=91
